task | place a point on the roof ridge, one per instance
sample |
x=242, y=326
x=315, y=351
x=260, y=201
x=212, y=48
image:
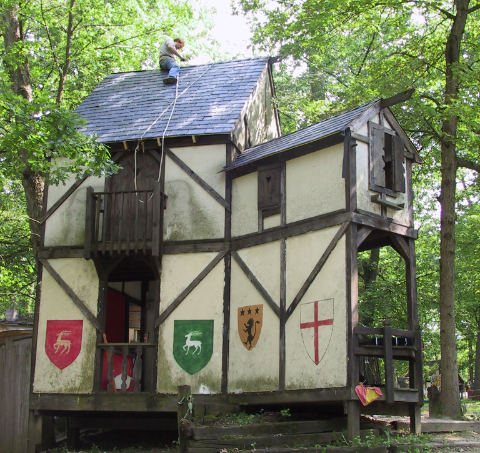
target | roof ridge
x=192, y=66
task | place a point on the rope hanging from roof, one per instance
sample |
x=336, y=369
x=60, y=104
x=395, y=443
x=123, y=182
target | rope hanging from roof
x=155, y=121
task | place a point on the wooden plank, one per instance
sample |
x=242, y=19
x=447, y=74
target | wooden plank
x=388, y=362
x=370, y=219
x=201, y=182
x=228, y=276
x=105, y=402
x=398, y=353
x=166, y=313
x=184, y=415
x=61, y=252
x=89, y=223
x=110, y=385
x=137, y=370
x=200, y=246
x=102, y=304
x=285, y=439
x=291, y=427
x=360, y=137
x=401, y=246
x=226, y=321
x=283, y=312
x=292, y=229
x=385, y=203
x=362, y=234
x=351, y=266
x=64, y=197
x=259, y=287
x=353, y=419
x=124, y=368
x=70, y=293
x=411, y=277
x=318, y=267
x=157, y=234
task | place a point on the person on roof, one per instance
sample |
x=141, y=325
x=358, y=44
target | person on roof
x=168, y=52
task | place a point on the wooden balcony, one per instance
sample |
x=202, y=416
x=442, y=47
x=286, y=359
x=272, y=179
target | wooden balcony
x=123, y=367
x=391, y=344
x=124, y=223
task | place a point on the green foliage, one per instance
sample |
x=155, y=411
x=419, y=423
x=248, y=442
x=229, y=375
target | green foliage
x=334, y=55
x=65, y=48
x=17, y=263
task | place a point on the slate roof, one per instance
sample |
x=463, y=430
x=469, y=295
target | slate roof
x=133, y=105
x=330, y=126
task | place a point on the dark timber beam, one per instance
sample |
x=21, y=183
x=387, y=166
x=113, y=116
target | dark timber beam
x=256, y=283
x=166, y=313
x=318, y=267
x=69, y=291
x=201, y=182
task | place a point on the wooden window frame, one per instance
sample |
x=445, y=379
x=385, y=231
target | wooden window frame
x=394, y=171
x=269, y=206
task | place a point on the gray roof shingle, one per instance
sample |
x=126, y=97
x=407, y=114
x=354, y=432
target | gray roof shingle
x=134, y=105
x=332, y=125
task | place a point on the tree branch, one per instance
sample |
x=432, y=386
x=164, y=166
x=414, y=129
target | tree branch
x=467, y=163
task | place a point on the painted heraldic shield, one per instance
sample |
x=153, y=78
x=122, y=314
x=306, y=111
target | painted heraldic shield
x=250, y=320
x=193, y=344
x=316, y=326
x=63, y=341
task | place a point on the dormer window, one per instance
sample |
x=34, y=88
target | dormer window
x=387, y=174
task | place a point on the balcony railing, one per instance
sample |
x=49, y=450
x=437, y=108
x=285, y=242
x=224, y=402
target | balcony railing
x=123, y=222
x=122, y=366
x=391, y=344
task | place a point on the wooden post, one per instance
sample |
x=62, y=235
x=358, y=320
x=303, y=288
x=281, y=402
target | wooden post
x=388, y=357
x=184, y=415
x=89, y=223
x=353, y=419
x=41, y=435
x=156, y=220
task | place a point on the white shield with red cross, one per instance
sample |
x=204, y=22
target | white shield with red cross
x=63, y=341
x=316, y=326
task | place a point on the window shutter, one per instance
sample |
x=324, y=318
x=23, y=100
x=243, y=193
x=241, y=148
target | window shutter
x=399, y=173
x=269, y=195
x=377, y=154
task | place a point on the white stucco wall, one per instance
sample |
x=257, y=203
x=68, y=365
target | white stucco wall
x=66, y=226
x=245, y=204
x=303, y=252
x=314, y=184
x=205, y=302
x=255, y=369
x=191, y=212
x=81, y=276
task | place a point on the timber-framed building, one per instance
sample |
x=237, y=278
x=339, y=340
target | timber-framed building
x=223, y=255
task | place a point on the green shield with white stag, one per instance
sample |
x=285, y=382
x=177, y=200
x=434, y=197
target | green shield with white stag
x=193, y=344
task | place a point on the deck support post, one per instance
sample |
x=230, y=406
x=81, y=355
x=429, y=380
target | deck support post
x=415, y=412
x=184, y=415
x=353, y=419
x=41, y=434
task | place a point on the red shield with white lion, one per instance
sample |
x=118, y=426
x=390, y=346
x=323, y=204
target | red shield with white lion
x=63, y=341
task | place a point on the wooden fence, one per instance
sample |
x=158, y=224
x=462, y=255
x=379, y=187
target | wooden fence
x=15, y=350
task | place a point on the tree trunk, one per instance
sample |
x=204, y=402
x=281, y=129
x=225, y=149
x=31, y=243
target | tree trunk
x=19, y=72
x=449, y=396
x=476, y=382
